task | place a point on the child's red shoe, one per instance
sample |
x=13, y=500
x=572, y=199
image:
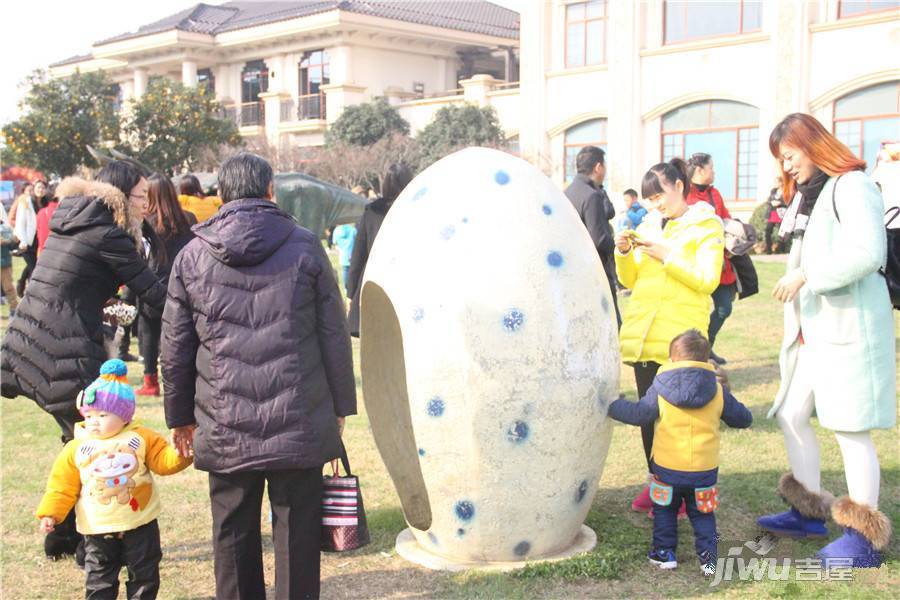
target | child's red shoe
x=642, y=502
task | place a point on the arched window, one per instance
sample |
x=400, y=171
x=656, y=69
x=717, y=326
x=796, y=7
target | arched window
x=867, y=118
x=586, y=133
x=254, y=80
x=729, y=131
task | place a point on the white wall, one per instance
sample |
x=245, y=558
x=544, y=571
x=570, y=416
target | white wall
x=420, y=113
x=378, y=69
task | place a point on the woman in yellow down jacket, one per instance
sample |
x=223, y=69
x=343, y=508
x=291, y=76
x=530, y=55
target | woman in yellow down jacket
x=672, y=266
x=191, y=199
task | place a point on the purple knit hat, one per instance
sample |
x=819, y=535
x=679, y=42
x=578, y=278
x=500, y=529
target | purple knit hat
x=110, y=392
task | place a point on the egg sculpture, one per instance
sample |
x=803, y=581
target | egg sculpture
x=489, y=358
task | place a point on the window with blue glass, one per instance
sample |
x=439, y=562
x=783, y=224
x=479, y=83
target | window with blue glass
x=692, y=19
x=854, y=8
x=867, y=118
x=586, y=33
x=726, y=130
x=586, y=133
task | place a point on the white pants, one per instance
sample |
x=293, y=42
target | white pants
x=860, y=459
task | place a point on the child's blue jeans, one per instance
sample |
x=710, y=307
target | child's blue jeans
x=665, y=523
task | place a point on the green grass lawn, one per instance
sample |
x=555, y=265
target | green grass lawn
x=751, y=462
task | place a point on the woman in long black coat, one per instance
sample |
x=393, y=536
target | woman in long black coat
x=54, y=345
x=396, y=179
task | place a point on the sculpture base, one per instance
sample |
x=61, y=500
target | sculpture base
x=408, y=548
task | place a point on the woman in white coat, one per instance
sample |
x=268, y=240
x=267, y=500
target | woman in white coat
x=838, y=355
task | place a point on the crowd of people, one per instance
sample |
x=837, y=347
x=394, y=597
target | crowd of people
x=242, y=310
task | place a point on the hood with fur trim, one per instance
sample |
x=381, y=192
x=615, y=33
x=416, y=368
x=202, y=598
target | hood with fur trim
x=87, y=201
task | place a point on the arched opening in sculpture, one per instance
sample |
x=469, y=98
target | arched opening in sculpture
x=387, y=402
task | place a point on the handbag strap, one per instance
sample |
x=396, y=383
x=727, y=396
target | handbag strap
x=344, y=461
x=833, y=203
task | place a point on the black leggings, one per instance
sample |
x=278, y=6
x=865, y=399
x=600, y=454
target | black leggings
x=644, y=372
x=149, y=332
x=30, y=257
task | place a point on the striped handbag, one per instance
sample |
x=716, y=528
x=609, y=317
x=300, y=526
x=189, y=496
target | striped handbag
x=343, y=515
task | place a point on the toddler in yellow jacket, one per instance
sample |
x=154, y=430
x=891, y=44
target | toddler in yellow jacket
x=685, y=403
x=105, y=474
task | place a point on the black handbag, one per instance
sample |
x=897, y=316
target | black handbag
x=891, y=270
x=745, y=271
x=344, y=524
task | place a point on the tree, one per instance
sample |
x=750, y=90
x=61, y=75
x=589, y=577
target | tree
x=61, y=117
x=173, y=126
x=364, y=124
x=459, y=126
x=349, y=165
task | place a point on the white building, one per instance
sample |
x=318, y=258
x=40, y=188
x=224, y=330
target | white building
x=649, y=80
x=286, y=69
x=645, y=80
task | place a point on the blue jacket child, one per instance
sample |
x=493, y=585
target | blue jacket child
x=686, y=403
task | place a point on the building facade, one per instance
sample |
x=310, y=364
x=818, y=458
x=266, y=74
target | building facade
x=655, y=79
x=286, y=70
x=646, y=80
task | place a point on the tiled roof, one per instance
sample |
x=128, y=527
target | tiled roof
x=475, y=16
x=72, y=60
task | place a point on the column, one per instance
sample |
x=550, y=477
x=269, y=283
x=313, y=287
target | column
x=476, y=90
x=189, y=73
x=535, y=23
x=127, y=88
x=141, y=77
x=624, y=127
x=789, y=91
x=338, y=96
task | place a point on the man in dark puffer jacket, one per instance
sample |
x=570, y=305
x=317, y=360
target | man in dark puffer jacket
x=256, y=356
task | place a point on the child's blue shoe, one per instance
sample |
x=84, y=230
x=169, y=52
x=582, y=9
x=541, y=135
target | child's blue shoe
x=807, y=515
x=866, y=531
x=792, y=524
x=707, y=563
x=664, y=559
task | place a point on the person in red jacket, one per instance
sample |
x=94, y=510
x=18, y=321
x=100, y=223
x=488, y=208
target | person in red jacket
x=43, y=218
x=702, y=175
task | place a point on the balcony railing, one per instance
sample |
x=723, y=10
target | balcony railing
x=250, y=114
x=311, y=106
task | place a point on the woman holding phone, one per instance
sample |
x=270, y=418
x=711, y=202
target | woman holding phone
x=672, y=266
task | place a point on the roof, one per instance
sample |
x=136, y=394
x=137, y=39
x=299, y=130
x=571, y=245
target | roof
x=72, y=60
x=474, y=16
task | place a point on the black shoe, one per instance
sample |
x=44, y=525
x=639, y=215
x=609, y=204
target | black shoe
x=717, y=359
x=128, y=357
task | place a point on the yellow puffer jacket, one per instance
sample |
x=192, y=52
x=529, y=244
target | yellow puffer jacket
x=203, y=208
x=671, y=297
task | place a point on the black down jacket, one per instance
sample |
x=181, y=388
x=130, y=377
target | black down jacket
x=366, y=231
x=255, y=348
x=54, y=346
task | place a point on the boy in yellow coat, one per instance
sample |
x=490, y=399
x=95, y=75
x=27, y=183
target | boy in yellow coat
x=105, y=474
x=686, y=403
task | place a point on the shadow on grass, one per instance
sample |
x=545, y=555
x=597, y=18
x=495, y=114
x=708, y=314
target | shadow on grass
x=624, y=538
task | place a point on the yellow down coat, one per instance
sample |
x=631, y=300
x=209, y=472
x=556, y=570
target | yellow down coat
x=670, y=297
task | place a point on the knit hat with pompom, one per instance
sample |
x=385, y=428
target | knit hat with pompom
x=110, y=392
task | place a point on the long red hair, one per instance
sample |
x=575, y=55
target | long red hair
x=804, y=132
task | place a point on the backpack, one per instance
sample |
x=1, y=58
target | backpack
x=891, y=270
